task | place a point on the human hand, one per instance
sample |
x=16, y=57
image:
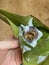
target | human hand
x=10, y=53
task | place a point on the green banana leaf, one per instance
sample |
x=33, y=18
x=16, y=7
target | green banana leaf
x=15, y=29
x=46, y=62
x=17, y=19
x=42, y=47
x=33, y=61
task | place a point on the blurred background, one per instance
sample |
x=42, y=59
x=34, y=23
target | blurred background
x=37, y=8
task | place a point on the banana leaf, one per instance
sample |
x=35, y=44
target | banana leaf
x=46, y=62
x=15, y=29
x=42, y=47
x=17, y=19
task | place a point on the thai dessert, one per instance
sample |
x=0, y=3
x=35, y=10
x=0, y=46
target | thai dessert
x=33, y=36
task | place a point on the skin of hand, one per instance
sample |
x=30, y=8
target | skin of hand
x=10, y=52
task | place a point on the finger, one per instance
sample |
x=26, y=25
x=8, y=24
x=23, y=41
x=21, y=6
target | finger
x=4, y=45
x=18, y=54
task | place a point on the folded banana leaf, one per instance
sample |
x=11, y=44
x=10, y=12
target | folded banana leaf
x=34, y=37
